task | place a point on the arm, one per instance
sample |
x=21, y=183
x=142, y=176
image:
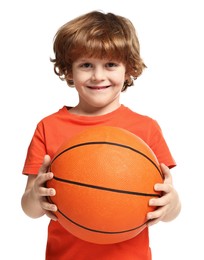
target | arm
x=169, y=205
x=34, y=200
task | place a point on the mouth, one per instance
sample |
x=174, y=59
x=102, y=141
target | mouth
x=98, y=87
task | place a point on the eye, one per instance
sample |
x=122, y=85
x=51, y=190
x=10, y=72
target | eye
x=111, y=64
x=86, y=65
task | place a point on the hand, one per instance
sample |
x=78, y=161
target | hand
x=42, y=192
x=168, y=205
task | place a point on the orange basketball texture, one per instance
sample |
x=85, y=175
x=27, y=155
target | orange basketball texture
x=104, y=178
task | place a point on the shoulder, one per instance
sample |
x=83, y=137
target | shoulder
x=140, y=118
x=54, y=116
x=60, y=113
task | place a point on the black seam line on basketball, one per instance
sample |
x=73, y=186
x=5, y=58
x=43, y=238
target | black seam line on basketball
x=109, y=143
x=100, y=231
x=106, y=188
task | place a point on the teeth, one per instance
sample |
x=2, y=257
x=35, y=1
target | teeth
x=98, y=88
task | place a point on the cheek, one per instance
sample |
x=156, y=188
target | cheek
x=80, y=78
x=119, y=79
x=120, y=75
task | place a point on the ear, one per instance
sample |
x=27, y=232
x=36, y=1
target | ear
x=69, y=76
x=69, y=79
x=128, y=78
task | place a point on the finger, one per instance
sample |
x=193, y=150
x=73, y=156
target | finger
x=153, y=222
x=51, y=215
x=48, y=206
x=155, y=215
x=47, y=192
x=166, y=172
x=162, y=201
x=41, y=179
x=45, y=165
x=163, y=187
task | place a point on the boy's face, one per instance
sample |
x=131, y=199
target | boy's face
x=99, y=83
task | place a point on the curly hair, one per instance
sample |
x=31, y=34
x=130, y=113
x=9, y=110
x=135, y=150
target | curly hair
x=97, y=35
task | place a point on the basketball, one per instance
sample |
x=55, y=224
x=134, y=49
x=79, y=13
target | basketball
x=104, y=178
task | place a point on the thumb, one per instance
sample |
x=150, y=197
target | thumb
x=167, y=174
x=45, y=165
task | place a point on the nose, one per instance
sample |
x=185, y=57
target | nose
x=98, y=74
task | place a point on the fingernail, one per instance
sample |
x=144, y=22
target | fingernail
x=149, y=216
x=52, y=192
x=151, y=202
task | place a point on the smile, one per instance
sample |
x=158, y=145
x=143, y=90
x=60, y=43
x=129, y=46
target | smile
x=98, y=87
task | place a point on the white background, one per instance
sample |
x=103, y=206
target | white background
x=171, y=38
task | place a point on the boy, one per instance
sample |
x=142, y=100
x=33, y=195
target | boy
x=98, y=54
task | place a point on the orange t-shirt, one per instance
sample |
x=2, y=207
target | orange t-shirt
x=49, y=135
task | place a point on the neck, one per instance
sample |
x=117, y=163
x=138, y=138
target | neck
x=94, y=111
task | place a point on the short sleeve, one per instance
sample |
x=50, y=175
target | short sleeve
x=159, y=146
x=36, y=151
